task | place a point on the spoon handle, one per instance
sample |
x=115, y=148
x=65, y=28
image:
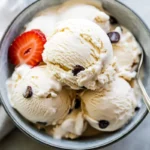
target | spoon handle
x=146, y=98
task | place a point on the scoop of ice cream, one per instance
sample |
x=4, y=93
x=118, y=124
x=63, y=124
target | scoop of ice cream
x=37, y=96
x=72, y=127
x=110, y=108
x=80, y=10
x=78, y=53
x=44, y=21
x=127, y=52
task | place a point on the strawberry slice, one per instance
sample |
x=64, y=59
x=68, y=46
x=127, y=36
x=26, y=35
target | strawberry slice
x=27, y=48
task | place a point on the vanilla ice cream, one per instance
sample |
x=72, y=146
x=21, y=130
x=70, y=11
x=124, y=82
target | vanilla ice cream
x=78, y=53
x=85, y=83
x=38, y=96
x=110, y=108
x=72, y=127
x=44, y=21
x=127, y=52
x=75, y=9
x=79, y=10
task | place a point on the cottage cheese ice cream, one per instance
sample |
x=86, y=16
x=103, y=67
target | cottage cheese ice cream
x=110, y=108
x=75, y=68
x=78, y=10
x=78, y=52
x=45, y=21
x=72, y=127
x=39, y=97
x=127, y=52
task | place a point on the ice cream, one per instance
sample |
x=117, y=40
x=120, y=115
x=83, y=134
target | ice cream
x=110, y=108
x=45, y=21
x=78, y=10
x=127, y=52
x=78, y=53
x=72, y=127
x=38, y=97
x=85, y=83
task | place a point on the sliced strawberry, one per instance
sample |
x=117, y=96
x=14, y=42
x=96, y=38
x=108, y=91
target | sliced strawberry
x=27, y=48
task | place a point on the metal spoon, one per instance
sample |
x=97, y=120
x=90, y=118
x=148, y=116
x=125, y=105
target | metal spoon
x=146, y=98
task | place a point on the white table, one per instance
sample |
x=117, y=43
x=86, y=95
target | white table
x=139, y=139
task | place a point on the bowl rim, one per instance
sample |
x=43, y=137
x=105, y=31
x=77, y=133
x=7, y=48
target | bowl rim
x=42, y=141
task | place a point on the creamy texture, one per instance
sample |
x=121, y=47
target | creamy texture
x=114, y=103
x=49, y=103
x=79, y=42
x=85, y=11
x=76, y=33
x=127, y=52
x=75, y=9
x=44, y=21
x=72, y=127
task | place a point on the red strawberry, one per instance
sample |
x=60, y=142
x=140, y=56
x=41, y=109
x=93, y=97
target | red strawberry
x=27, y=48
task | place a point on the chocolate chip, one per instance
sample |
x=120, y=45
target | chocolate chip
x=121, y=29
x=114, y=37
x=28, y=93
x=42, y=129
x=70, y=110
x=113, y=20
x=137, y=108
x=77, y=103
x=77, y=69
x=103, y=124
x=83, y=87
x=42, y=123
x=134, y=64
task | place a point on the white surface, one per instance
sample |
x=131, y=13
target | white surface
x=139, y=139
